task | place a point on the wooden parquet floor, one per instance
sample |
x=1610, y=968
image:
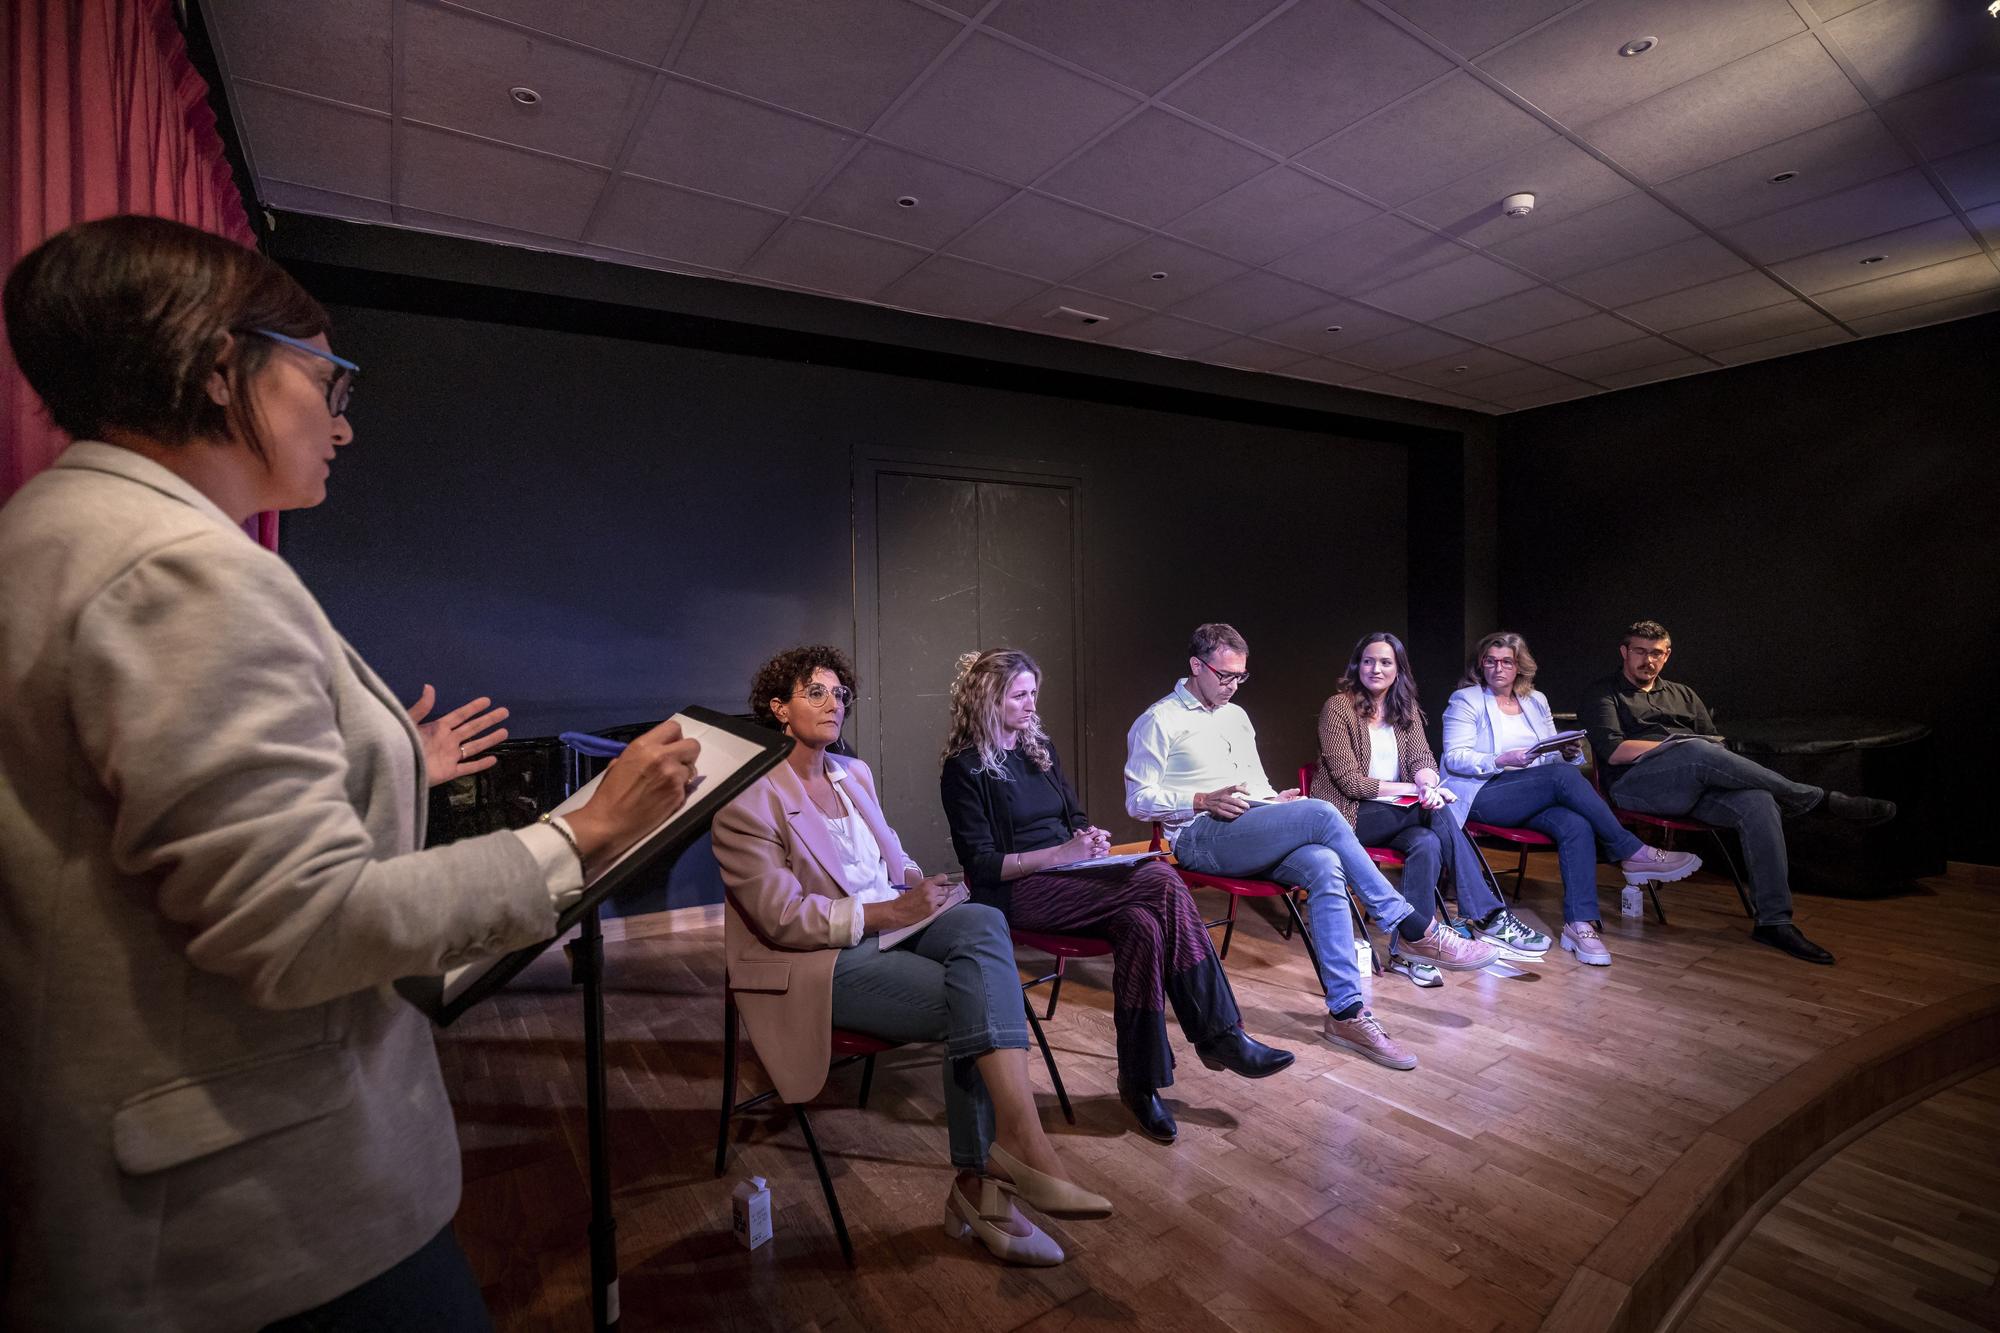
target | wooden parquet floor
x=1899, y=1231
x=1460, y=1196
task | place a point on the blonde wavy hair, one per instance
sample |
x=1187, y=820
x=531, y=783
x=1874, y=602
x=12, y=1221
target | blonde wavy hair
x=977, y=690
x=1524, y=662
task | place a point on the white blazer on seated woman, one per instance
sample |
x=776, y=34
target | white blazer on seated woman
x=1472, y=722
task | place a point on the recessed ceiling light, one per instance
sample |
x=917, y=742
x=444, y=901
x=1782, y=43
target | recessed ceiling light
x=907, y=201
x=1784, y=176
x=1333, y=328
x=1460, y=370
x=525, y=95
x=1160, y=276
x=1874, y=259
x=1638, y=46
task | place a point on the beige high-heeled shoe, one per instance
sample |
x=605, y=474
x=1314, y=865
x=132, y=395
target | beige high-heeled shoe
x=961, y=1219
x=1057, y=1198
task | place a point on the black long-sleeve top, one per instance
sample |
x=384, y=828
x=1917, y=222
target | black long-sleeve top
x=991, y=817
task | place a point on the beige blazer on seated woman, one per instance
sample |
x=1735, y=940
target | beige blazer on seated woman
x=784, y=906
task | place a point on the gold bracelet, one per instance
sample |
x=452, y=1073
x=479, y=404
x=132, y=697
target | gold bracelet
x=561, y=825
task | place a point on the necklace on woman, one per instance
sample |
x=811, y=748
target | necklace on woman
x=839, y=810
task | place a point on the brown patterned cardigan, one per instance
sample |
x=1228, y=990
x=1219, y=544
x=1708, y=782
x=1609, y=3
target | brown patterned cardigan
x=1341, y=776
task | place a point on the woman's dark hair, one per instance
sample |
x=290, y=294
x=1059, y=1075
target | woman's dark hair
x=1401, y=699
x=792, y=670
x=117, y=325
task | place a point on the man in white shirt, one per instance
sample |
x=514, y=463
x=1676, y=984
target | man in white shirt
x=1191, y=764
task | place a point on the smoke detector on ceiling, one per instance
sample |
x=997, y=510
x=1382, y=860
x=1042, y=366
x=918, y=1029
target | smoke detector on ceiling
x=1518, y=205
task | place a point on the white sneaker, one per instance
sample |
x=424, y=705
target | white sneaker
x=1420, y=973
x=1581, y=938
x=1654, y=865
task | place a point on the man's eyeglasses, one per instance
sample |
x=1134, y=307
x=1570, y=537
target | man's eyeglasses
x=1221, y=676
x=338, y=389
x=817, y=694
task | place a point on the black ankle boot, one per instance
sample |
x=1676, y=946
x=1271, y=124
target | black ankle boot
x=1240, y=1053
x=1156, y=1122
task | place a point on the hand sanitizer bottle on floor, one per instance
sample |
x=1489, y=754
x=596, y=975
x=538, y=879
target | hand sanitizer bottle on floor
x=750, y=1212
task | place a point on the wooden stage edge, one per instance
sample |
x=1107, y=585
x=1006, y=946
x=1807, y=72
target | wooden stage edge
x=1653, y=1266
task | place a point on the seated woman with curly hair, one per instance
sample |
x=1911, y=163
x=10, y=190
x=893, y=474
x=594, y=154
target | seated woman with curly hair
x=814, y=875
x=1013, y=816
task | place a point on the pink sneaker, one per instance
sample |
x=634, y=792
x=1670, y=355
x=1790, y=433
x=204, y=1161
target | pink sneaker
x=1449, y=949
x=1655, y=866
x=1363, y=1035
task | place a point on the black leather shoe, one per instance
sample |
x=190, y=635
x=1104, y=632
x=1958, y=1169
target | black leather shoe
x=1788, y=938
x=1156, y=1122
x=1863, y=811
x=1240, y=1053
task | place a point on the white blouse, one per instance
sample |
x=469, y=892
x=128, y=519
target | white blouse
x=1512, y=731
x=1384, y=762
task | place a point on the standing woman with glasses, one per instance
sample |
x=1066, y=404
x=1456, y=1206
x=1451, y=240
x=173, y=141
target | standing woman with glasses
x=1013, y=816
x=815, y=876
x=217, y=1112
x=1495, y=717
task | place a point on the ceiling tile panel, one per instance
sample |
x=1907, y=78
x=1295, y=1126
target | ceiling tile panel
x=1473, y=280
x=1376, y=251
x=457, y=70
x=1253, y=301
x=677, y=224
x=1319, y=66
x=725, y=145
x=1154, y=168
x=1987, y=222
x=1457, y=369
x=1665, y=370
x=1765, y=97
x=1460, y=123
x=1253, y=354
x=1865, y=210
x=317, y=144
x=1826, y=160
x=1947, y=117
x=1709, y=301
x=1959, y=277
x=1043, y=238
x=863, y=196
x=1973, y=177
x=1572, y=70
x=1564, y=179
x=1471, y=30
x=1620, y=358
x=1323, y=370
x=844, y=63
x=468, y=178
x=1128, y=275
x=1536, y=308
x=1164, y=333
x=999, y=109
x=1144, y=44
x=1828, y=9
x=1751, y=326
x=826, y=259
x=1404, y=349
x=959, y=289
x=1670, y=268
x=1624, y=227
x=337, y=48
x=1579, y=335
x=1270, y=214
x=1399, y=387
x=446, y=224
x=274, y=193
x=1561, y=393
x=1920, y=246
x=1913, y=317
x=1806, y=341
x=1898, y=46
x=1516, y=383
x=1036, y=314
x=637, y=29
x=1326, y=329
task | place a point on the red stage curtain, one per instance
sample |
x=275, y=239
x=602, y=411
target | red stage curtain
x=103, y=114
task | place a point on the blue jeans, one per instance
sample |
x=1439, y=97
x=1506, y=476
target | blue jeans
x=1304, y=843
x=954, y=981
x=1717, y=786
x=1556, y=800
x=1424, y=838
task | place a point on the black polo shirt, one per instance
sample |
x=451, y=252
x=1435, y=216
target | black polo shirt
x=1615, y=710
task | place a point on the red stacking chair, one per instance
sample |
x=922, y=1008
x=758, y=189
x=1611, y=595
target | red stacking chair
x=1064, y=948
x=1238, y=889
x=1520, y=839
x=1667, y=826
